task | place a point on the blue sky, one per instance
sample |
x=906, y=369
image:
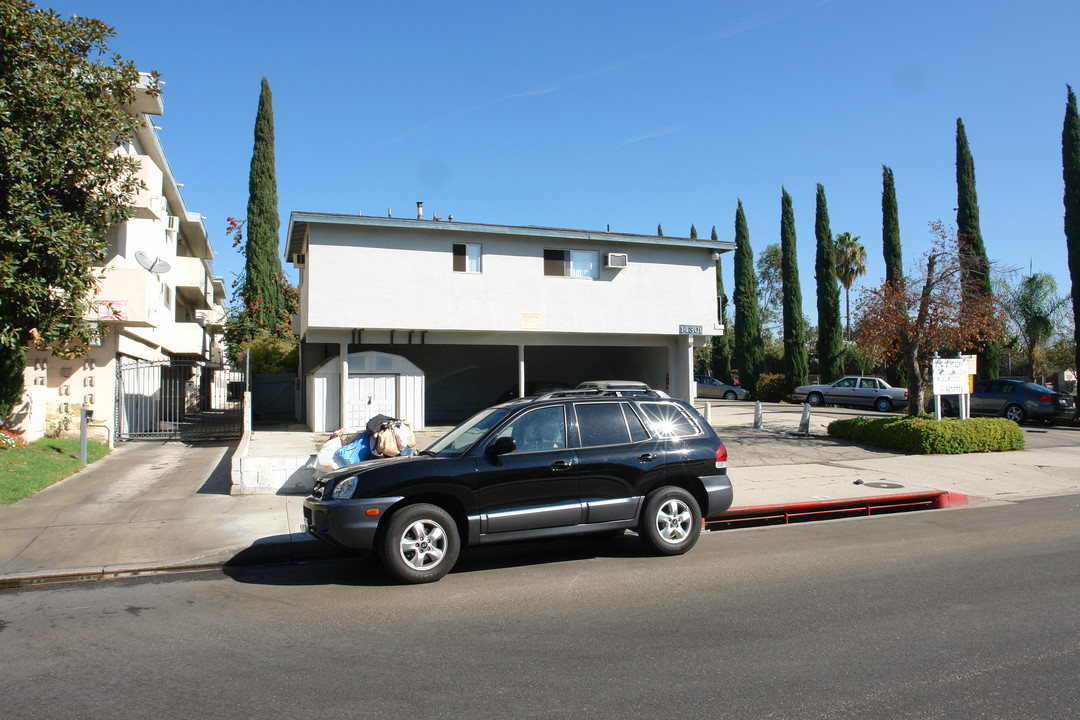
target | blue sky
x=630, y=114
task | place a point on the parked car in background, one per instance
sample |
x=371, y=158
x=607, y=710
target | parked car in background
x=566, y=463
x=710, y=387
x=1016, y=400
x=620, y=387
x=855, y=390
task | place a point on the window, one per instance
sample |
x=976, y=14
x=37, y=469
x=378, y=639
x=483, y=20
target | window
x=540, y=429
x=571, y=263
x=608, y=424
x=669, y=420
x=466, y=258
x=868, y=383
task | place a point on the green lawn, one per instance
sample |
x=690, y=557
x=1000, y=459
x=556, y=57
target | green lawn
x=24, y=471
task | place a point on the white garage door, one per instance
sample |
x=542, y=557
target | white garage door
x=370, y=395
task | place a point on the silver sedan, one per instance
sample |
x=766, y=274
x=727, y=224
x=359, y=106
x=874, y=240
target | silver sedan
x=854, y=390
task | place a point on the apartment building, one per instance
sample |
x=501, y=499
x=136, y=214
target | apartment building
x=161, y=310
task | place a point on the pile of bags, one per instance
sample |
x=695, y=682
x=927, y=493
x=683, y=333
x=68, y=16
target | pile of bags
x=383, y=436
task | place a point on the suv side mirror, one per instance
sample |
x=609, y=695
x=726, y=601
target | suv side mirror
x=502, y=446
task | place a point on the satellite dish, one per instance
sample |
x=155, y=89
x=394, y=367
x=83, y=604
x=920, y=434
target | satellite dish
x=155, y=265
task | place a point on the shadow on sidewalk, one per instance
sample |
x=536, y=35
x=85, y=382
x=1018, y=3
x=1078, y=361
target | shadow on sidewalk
x=219, y=482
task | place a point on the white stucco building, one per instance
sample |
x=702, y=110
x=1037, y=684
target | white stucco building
x=480, y=310
x=158, y=301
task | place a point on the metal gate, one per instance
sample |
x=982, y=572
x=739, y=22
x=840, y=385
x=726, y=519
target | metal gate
x=178, y=400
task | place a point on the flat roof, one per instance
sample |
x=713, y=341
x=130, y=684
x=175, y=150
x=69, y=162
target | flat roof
x=299, y=221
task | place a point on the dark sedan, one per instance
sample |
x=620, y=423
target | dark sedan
x=1018, y=401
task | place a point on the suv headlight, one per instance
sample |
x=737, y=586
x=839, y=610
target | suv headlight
x=344, y=489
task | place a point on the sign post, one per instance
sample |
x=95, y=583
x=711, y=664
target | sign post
x=951, y=378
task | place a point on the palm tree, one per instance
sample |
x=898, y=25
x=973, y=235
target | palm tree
x=1034, y=306
x=850, y=264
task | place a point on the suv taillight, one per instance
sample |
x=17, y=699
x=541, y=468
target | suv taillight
x=721, y=456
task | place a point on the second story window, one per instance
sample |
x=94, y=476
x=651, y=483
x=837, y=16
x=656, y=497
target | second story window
x=571, y=263
x=466, y=258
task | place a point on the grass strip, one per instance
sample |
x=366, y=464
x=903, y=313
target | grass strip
x=25, y=470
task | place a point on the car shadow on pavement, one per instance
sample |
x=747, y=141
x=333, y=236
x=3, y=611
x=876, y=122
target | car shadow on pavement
x=356, y=571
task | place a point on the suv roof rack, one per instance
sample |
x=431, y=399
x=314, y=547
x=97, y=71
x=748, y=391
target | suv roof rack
x=599, y=392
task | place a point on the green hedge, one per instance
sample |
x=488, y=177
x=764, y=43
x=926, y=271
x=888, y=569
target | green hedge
x=770, y=388
x=924, y=435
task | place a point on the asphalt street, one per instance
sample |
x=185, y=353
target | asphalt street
x=942, y=614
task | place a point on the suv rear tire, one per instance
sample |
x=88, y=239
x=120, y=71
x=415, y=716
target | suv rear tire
x=670, y=522
x=421, y=543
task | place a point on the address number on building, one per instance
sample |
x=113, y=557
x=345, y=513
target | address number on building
x=690, y=330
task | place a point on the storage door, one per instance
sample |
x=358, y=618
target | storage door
x=368, y=396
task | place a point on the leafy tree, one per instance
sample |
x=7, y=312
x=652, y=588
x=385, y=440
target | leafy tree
x=974, y=264
x=850, y=258
x=720, y=365
x=749, y=352
x=795, y=362
x=770, y=286
x=830, y=343
x=1035, y=309
x=894, y=259
x=65, y=105
x=919, y=316
x=1070, y=160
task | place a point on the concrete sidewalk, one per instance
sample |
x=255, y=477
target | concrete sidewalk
x=153, y=507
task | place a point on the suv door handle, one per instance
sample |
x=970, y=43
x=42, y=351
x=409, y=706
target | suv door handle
x=646, y=457
x=560, y=465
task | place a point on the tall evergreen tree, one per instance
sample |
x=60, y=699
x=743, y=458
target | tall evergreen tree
x=894, y=259
x=262, y=268
x=749, y=352
x=974, y=264
x=890, y=228
x=795, y=360
x=720, y=362
x=693, y=232
x=659, y=230
x=830, y=343
x=1070, y=160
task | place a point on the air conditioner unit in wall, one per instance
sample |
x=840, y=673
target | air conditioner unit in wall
x=615, y=260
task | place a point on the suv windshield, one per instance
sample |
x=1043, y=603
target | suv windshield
x=458, y=441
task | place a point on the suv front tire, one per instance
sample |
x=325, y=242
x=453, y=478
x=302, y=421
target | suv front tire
x=421, y=543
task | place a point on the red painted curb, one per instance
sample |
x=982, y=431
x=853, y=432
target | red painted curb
x=835, y=508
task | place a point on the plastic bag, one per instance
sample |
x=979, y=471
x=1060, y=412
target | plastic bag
x=324, y=461
x=357, y=451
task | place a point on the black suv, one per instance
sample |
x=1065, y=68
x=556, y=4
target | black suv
x=565, y=463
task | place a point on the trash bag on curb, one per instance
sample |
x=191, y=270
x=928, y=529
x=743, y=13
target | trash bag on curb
x=357, y=451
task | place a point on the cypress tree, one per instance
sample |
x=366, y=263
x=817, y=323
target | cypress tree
x=974, y=264
x=720, y=362
x=263, y=284
x=895, y=373
x=693, y=232
x=749, y=352
x=890, y=227
x=659, y=230
x=795, y=361
x=829, y=341
x=1070, y=161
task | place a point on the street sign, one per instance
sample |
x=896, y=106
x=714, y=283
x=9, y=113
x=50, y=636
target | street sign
x=951, y=376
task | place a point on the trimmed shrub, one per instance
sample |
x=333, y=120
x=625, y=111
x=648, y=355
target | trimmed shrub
x=770, y=388
x=923, y=435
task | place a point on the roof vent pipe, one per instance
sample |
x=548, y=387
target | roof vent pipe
x=419, y=209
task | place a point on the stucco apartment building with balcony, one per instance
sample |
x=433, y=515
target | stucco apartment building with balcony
x=432, y=320
x=158, y=302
